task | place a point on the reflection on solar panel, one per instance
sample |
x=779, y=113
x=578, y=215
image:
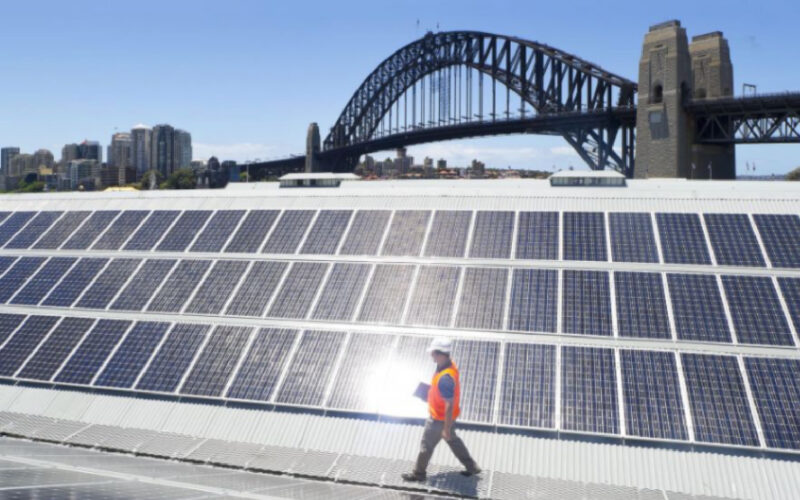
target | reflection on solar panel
x=448, y=236
x=289, y=231
x=217, y=231
x=410, y=364
x=483, y=297
x=632, y=238
x=173, y=358
x=653, y=406
x=24, y=341
x=61, y=230
x=433, y=296
x=537, y=235
x=90, y=355
x=756, y=310
x=53, y=351
x=108, y=283
x=584, y=236
x=216, y=363
x=790, y=288
x=776, y=390
x=179, y=286
x=361, y=378
x=184, y=231
x=339, y=298
x=124, y=366
x=250, y=235
x=406, y=233
x=588, y=390
x=41, y=283
x=299, y=288
x=682, y=239
x=142, y=286
x=386, y=295
x=720, y=411
x=74, y=283
x=641, y=306
x=697, y=308
x=259, y=285
x=90, y=230
x=13, y=224
x=326, y=232
x=586, y=303
x=534, y=299
x=34, y=230
x=212, y=295
x=9, y=323
x=366, y=232
x=311, y=368
x=780, y=234
x=492, y=235
x=261, y=369
x=733, y=240
x=152, y=230
x=122, y=228
x=477, y=362
x=528, y=397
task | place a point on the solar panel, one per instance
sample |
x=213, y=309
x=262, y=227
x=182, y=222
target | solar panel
x=537, y=235
x=386, y=295
x=217, y=231
x=5, y=263
x=90, y=230
x=528, y=397
x=24, y=341
x=9, y=323
x=682, y=239
x=179, y=286
x=632, y=237
x=295, y=297
x=756, y=311
x=780, y=234
x=588, y=390
x=311, y=368
x=584, y=236
x=433, y=296
x=697, y=308
x=212, y=295
x=776, y=391
x=167, y=367
x=250, y=235
x=121, y=229
x=449, y=232
x=217, y=361
x=477, y=367
x=151, y=230
x=720, y=411
x=409, y=365
x=261, y=368
x=55, y=349
x=339, y=298
x=652, y=395
x=184, y=231
x=534, y=300
x=326, y=232
x=733, y=240
x=106, y=286
x=586, y=305
x=289, y=231
x=13, y=224
x=483, y=297
x=37, y=287
x=61, y=230
x=24, y=268
x=259, y=285
x=406, y=233
x=90, y=355
x=492, y=235
x=366, y=232
x=123, y=368
x=75, y=282
x=641, y=305
x=362, y=376
x=4, y=216
x=790, y=288
x=34, y=230
x=142, y=285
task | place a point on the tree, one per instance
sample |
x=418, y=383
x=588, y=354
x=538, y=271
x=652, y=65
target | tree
x=183, y=178
x=32, y=186
x=144, y=184
x=794, y=175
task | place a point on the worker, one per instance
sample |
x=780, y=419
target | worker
x=443, y=397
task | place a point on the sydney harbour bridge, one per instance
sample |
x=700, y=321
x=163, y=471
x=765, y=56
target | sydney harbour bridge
x=464, y=84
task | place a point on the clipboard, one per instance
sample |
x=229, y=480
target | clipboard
x=422, y=391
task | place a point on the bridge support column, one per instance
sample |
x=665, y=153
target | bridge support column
x=312, y=148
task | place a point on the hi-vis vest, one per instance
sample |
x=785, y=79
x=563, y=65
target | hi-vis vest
x=435, y=399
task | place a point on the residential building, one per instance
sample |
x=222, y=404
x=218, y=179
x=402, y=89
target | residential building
x=5, y=158
x=140, y=149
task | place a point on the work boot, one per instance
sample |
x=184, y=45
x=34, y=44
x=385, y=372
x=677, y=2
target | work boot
x=413, y=477
x=471, y=472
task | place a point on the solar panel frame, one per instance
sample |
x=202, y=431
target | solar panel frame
x=33, y=230
x=13, y=224
x=449, y=233
x=780, y=234
x=152, y=230
x=386, y=294
x=528, y=395
x=406, y=233
x=212, y=294
x=697, y=308
x=260, y=372
x=140, y=288
x=90, y=355
x=775, y=384
x=250, y=235
x=641, y=305
x=39, y=284
x=682, y=239
x=632, y=237
x=586, y=303
x=108, y=283
x=589, y=390
x=733, y=240
x=311, y=368
x=340, y=295
x=757, y=315
x=178, y=287
x=217, y=361
x=483, y=298
x=492, y=235
x=288, y=232
x=257, y=288
x=366, y=232
x=17, y=275
x=52, y=353
x=584, y=236
x=75, y=282
x=433, y=297
x=121, y=230
x=91, y=230
x=296, y=295
x=537, y=236
x=326, y=232
x=533, y=301
x=361, y=378
x=790, y=288
x=61, y=230
x=24, y=342
x=5, y=263
x=173, y=358
x=128, y=360
x=217, y=231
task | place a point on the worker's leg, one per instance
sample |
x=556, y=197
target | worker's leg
x=460, y=451
x=430, y=438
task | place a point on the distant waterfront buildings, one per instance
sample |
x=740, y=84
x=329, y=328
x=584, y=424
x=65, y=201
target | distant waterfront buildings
x=5, y=158
x=140, y=149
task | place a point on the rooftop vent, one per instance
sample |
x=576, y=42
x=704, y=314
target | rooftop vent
x=316, y=179
x=588, y=178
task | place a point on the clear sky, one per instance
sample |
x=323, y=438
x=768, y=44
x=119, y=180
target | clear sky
x=245, y=77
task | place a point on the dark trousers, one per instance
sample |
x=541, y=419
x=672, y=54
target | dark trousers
x=431, y=437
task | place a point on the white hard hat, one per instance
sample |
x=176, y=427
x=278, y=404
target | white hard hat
x=441, y=344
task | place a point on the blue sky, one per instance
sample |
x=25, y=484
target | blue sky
x=245, y=77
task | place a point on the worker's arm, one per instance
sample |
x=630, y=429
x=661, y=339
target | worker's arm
x=448, y=419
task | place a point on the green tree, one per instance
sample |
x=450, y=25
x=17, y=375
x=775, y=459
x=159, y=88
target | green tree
x=182, y=178
x=30, y=187
x=794, y=175
x=144, y=183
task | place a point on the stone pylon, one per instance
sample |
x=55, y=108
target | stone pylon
x=312, y=148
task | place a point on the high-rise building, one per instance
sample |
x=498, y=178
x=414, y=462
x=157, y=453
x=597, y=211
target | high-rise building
x=87, y=150
x=162, y=149
x=183, y=149
x=119, y=159
x=5, y=158
x=68, y=153
x=140, y=149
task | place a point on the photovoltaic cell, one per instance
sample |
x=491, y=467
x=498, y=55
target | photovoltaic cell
x=24, y=342
x=697, y=308
x=259, y=285
x=13, y=224
x=433, y=297
x=537, y=235
x=121, y=230
x=632, y=237
x=124, y=366
x=386, y=295
x=61, y=230
x=641, y=305
x=173, y=358
x=449, y=232
x=528, y=398
x=733, y=240
x=90, y=355
x=586, y=304
x=216, y=363
x=366, y=232
x=142, y=286
x=48, y=275
x=652, y=394
x=483, y=297
x=756, y=310
x=152, y=230
x=74, y=283
x=53, y=351
x=790, y=288
x=289, y=231
x=339, y=298
x=5, y=263
x=534, y=300
x=299, y=288
x=212, y=295
x=251, y=233
x=682, y=239
x=24, y=268
x=217, y=231
x=720, y=410
x=179, y=286
x=406, y=233
x=776, y=390
x=477, y=363
x=323, y=239
x=90, y=230
x=311, y=368
x=780, y=234
x=362, y=375
x=491, y=235
x=184, y=231
x=588, y=390
x=9, y=323
x=34, y=230
x=106, y=286
x=263, y=364
x=584, y=236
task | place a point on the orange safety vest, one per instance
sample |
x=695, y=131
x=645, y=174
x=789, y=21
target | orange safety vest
x=436, y=402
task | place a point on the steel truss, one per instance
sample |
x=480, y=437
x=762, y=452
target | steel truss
x=748, y=120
